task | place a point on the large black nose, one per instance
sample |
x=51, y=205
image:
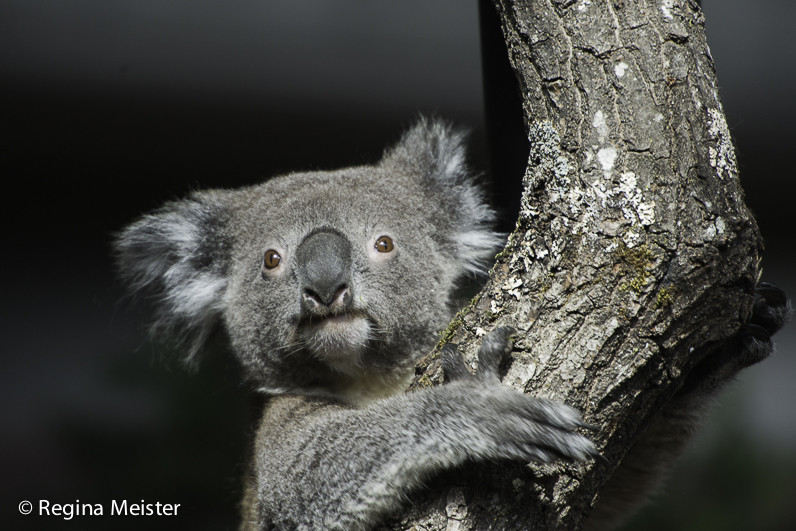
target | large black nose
x=323, y=262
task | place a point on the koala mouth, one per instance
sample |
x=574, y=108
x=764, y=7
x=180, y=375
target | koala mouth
x=338, y=340
x=338, y=318
x=331, y=319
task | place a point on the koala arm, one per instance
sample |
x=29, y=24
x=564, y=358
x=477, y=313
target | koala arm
x=321, y=465
x=644, y=468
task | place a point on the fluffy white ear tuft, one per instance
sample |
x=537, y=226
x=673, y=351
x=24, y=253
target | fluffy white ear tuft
x=435, y=152
x=173, y=256
x=477, y=248
x=432, y=149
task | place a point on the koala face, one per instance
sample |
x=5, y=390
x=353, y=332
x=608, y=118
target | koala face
x=325, y=279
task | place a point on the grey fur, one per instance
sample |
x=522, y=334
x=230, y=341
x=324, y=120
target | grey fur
x=178, y=256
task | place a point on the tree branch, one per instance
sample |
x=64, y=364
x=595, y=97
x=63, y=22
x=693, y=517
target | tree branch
x=633, y=258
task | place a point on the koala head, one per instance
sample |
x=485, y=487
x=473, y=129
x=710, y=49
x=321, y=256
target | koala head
x=319, y=279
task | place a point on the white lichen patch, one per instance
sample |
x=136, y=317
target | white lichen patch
x=722, y=157
x=545, y=148
x=587, y=205
x=511, y=285
x=634, y=208
x=710, y=232
x=561, y=168
x=548, y=163
x=631, y=238
x=715, y=229
x=583, y=5
x=646, y=213
x=629, y=199
x=619, y=69
x=600, y=125
x=607, y=156
x=666, y=7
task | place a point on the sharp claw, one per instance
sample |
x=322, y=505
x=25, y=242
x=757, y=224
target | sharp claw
x=450, y=348
x=772, y=294
x=504, y=331
x=601, y=458
x=452, y=363
x=758, y=332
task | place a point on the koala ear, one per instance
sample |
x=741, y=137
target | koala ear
x=176, y=257
x=434, y=152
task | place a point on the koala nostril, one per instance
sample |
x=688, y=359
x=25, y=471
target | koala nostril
x=337, y=300
x=312, y=299
x=341, y=297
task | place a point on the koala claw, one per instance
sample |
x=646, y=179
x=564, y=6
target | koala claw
x=496, y=346
x=772, y=308
x=772, y=294
x=453, y=364
x=756, y=331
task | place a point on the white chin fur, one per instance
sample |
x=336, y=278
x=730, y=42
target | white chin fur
x=339, y=342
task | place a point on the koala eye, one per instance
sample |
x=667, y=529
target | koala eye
x=384, y=244
x=271, y=260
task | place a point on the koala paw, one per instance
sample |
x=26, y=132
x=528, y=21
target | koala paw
x=504, y=423
x=752, y=344
x=771, y=310
x=494, y=349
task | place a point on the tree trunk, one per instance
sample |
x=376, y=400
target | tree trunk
x=633, y=257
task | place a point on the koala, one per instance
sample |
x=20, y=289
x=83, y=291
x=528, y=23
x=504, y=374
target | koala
x=330, y=286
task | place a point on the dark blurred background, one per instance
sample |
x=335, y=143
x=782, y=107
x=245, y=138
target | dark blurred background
x=108, y=109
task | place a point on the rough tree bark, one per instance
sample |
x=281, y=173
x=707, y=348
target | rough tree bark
x=634, y=255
